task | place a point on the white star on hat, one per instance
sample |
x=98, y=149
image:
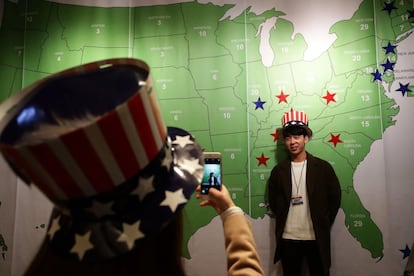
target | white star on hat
x=182, y=140
x=173, y=199
x=144, y=187
x=54, y=227
x=131, y=233
x=82, y=244
x=191, y=165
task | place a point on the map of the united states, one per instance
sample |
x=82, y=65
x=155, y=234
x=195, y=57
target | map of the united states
x=227, y=74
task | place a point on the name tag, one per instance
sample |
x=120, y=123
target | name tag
x=297, y=200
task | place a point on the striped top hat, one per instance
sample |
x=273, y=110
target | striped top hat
x=296, y=119
x=93, y=140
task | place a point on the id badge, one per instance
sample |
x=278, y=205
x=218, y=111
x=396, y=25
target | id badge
x=297, y=200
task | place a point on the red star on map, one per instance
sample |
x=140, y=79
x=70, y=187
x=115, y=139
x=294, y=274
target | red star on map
x=282, y=97
x=275, y=135
x=335, y=139
x=262, y=160
x=329, y=97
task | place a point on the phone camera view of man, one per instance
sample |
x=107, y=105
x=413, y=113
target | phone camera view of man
x=212, y=175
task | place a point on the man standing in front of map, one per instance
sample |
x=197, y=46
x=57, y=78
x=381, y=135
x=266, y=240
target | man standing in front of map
x=304, y=194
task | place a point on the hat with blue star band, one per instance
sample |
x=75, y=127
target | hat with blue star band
x=296, y=119
x=93, y=140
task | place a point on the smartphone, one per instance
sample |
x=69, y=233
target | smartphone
x=212, y=176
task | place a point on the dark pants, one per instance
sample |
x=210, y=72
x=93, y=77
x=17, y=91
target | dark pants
x=294, y=255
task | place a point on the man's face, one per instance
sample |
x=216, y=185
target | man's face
x=296, y=144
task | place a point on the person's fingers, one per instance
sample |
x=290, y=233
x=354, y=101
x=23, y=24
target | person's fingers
x=220, y=200
x=214, y=192
x=205, y=203
x=224, y=188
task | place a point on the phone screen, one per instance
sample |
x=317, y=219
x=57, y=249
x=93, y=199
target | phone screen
x=212, y=174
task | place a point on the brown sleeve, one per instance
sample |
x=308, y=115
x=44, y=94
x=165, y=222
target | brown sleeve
x=242, y=255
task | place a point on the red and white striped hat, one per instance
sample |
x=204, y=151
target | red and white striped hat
x=296, y=118
x=93, y=135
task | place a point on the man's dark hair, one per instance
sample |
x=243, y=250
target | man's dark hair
x=294, y=130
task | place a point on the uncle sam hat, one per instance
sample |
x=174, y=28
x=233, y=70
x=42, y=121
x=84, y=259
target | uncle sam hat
x=93, y=140
x=296, y=119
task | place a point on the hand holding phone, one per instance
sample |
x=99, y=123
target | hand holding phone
x=212, y=172
x=219, y=200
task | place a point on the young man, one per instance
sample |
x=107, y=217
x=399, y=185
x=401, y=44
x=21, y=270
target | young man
x=304, y=195
x=212, y=180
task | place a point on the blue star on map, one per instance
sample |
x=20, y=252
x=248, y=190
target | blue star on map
x=406, y=251
x=259, y=104
x=389, y=7
x=377, y=75
x=388, y=65
x=389, y=48
x=404, y=88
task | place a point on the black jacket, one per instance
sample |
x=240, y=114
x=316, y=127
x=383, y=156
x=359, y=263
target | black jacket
x=324, y=194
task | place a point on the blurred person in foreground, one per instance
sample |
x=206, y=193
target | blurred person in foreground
x=93, y=140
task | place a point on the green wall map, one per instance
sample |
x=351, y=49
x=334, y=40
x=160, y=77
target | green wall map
x=209, y=74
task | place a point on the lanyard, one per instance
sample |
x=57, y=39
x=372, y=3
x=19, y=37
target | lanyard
x=300, y=178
